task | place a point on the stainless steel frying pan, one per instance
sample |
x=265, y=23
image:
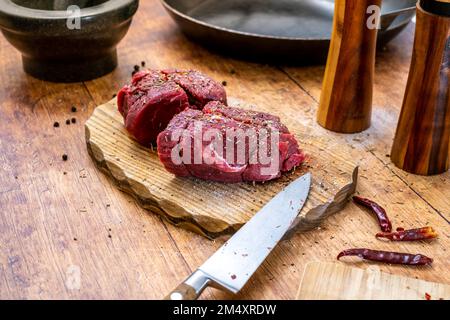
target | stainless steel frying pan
x=295, y=31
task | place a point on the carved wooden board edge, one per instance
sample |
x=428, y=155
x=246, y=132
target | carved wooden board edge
x=188, y=223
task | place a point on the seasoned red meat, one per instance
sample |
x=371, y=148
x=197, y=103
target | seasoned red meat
x=199, y=88
x=149, y=103
x=227, y=144
x=154, y=97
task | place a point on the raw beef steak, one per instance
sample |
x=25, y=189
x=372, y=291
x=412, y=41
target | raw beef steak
x=199, y=88
x=154, y=97
x=228, y=144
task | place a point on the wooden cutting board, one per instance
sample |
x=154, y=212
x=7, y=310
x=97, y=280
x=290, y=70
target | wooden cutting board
x=208, y=208
x=336, y=281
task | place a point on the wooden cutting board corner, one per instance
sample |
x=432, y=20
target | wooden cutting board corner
x=337, y=281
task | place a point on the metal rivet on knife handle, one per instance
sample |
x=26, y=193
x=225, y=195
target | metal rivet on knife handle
x=191, y=288
x=182, y=292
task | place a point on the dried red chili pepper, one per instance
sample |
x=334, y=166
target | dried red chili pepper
x=410, y=235
x=387, y=257
x=383, y=219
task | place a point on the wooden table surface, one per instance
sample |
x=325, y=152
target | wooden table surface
x=67, y=232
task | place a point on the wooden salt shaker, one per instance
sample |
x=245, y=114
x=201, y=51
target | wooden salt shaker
x=346, y=99
x=422, y=142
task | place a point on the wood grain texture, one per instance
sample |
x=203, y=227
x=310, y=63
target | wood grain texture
x=208, y=208
x=422, y=141
x=336, y=281
x=346, y=100
x=42, y=211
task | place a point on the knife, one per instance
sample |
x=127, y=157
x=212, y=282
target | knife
x=235, y=262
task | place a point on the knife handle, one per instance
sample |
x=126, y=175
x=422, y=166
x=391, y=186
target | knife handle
x=191, y=288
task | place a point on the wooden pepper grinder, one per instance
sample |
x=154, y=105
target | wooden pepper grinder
x=421, y=144
x=346, y=99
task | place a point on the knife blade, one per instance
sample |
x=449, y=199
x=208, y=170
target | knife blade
x=235, y=262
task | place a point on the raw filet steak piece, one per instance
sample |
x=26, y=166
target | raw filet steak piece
x=200, y=89
x=228, y=144
x=154, y=97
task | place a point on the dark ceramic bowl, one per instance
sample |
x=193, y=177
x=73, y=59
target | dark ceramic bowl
x=64, y=45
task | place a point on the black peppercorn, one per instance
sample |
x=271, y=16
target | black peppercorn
x=65, y=157
x=56, y=124
x=74, y=120
x=68, y=121
x=74, y=109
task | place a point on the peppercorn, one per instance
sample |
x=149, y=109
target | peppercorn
x=65, y=157
x=56, y=124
